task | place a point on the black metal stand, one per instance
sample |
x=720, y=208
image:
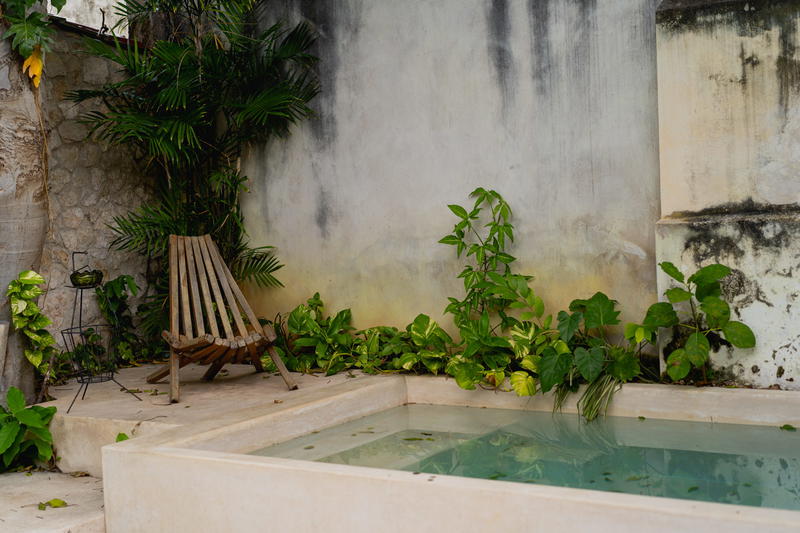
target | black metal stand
x=97, y=363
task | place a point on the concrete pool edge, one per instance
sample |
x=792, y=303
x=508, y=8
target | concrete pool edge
x=200, y=479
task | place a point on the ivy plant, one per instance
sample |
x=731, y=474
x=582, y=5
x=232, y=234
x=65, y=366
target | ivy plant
x=29, y=32
x=708, y=318
x=24, y=434
x=28, y=319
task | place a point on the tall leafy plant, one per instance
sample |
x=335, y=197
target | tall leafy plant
x=188, y=105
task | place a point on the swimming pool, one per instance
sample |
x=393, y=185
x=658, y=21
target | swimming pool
x=726, y=463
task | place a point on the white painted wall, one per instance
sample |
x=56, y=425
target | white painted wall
x=551, y=102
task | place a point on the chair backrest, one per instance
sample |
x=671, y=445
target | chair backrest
x=203, y=295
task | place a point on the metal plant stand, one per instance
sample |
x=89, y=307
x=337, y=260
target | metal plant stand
x=92, y=355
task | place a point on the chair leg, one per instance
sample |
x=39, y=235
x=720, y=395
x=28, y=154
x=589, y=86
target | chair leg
x=255, y=358
x=174, y=377
x=164, y=371
x=214, y=368
x=287, y=377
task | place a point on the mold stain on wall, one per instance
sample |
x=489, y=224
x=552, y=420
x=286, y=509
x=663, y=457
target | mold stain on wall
x=500, y=53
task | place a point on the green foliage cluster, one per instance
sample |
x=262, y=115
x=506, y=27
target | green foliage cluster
x=188, y=105
x=24, y=437
x=708, y=318
x=504, y=334
x=27, y=29
x=28, y=319
x=112, y=299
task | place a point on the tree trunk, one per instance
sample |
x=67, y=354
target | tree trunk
x=23, y=211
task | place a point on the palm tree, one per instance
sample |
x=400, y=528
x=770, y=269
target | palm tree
x=188, y=104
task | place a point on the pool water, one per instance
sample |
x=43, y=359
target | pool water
x=726, y=463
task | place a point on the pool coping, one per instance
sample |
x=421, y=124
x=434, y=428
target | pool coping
x=209, y=455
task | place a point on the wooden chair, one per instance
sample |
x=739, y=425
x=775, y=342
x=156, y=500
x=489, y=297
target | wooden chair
x=205, y=305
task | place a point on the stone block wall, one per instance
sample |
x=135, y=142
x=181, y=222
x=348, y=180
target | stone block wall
x=89, y=184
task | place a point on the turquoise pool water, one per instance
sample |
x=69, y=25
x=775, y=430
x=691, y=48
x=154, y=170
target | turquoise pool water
x=726, y=463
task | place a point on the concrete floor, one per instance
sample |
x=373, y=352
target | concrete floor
x=107, y=411
x=20, y=495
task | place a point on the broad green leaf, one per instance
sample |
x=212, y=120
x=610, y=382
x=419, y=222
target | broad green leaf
x=44, y=451
x=458, y=211
x=600, y=311
x=717, y=311
x=498, y=377
x=708, y=289
x=29, y=277
x=709, y=274
x=624, y=365
x=697, y=349
x=568, y=324
x=739, y=334
x=56, y=503
x=30, y=418
x=661, y=315
x=121, y=437
x=531, y=362
x=450, y=239
x=8, y=434
x=18, y=306
x=589, y=362
x=467, y=375
x=15, y=400
x=672, y=271
x=46, y=413
x=407, y=360
x=42, y=434
x=630, y=330
x=553, y=367
x=678, y=365
x=676, y=295
x=58, y=4
x=523, y=383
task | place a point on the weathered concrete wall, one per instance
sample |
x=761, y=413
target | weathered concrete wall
x=728, y=89
x=89, y=184
x=551, y=102
x=91, y=13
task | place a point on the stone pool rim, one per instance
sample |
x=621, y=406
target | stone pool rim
x=206, y=457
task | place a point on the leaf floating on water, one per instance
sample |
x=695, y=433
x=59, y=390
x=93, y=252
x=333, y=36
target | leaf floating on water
x=642, y=418
x=747, y=484
x=309, y=447
x=497, y=476
x=693, y=488
x=788, y=427
x=607, y=473
x=426, y=434
x=430, y=439
x=413, y=438
x=636, y=478
x=608, y=479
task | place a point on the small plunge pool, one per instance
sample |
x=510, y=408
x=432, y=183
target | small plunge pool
x=725, y=463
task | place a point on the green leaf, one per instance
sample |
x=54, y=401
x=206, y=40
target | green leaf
x=787, y=427
x=523, y=383
x=589, y=362
x=30, y=418
x=709, y=274
x=56, y=503
x=35, y=357
x=672, y=271
x=600, y=311
x=697, y=348
x=707, y=289
x=121, y=437
x=58, y=4
x=624, y=365
x=29, y=277
x=458, y=211
x=15, y=400
x=450, y=239
x=467, y=375
x=661, y=315
x=676, y=295
x=42, y=434
x=718, y=312
x=18, y=305
x=8, y=434
x=44, y=450
x=678, y=365
x=739, y=334
x=531, y=362
x=553, y=367
x=568, y=324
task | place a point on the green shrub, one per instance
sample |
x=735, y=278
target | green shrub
x=24, y=434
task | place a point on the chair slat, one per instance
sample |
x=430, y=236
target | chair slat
x=186, y=316
x=205, y=291
x=251, y=316
x=212, y=278
x=197, y=309
x=174, y=319
x=224, y=274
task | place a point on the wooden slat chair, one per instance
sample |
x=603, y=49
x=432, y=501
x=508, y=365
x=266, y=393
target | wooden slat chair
x=205, y=305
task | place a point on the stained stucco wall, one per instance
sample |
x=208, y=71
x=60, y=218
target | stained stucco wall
x=551, y=102
x=729, y=88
